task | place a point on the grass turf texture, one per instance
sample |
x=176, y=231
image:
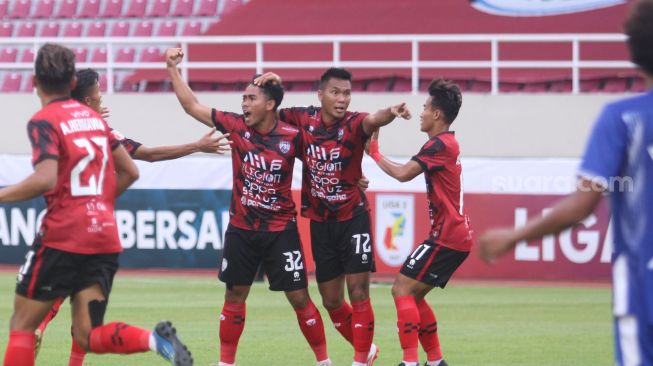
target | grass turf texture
x=478, y=324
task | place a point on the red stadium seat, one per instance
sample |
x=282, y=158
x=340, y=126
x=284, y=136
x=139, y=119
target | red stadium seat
x=20, y=9
x=6, y=29
x=539, y=87
x=103, y=82
x=99, y=55
x=480, y=86
x=73, y=29
x=112, y=9
x=151, y=54
x=136, y=9
x=507, y=87
x=160, y=8
x=90, y=9
x=125, y=54
x=143, y=29
x=11, y=82
x=67, y=9
x=590, y=86
x=302, y=86
x=192, y=28
x=616, y=85
x=27, y=55
x=96, y=29
x=207, y=8
x=183, y=8
x=49, y=30
x=167, y=28
x=81, y=54
x=120, y=29
x=44, y=9
x=4, y=8
x=561, y=86
x=26, y=84
x=26, y=30
x=378, y=85
x=402, y=85
x=8, y=54
x=229, y=5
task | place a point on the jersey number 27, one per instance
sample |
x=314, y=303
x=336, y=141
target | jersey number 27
x=96, y=179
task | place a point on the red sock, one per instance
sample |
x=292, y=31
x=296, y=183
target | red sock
x=408, y=326
x=232, y=323
x=341, y=318
x=51, y=314
x=77, y=355
x=362, y=320
x=428, y=331
x=119, y=338
x=310, y=322
x=20, y=349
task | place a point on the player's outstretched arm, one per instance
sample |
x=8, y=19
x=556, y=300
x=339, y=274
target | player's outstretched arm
x=184, y=93
x=400, y=172
x=43, y=179
x=209, y=143
x=384, y=116
x=566, y=213
x=126, y=170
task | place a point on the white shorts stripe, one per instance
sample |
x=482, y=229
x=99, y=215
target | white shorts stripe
x=629, y=341
x=620, y=288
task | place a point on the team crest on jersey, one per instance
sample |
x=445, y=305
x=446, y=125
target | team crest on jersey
x=341, y=133
x=284, y=147
x=311, y=128
x=247, y=135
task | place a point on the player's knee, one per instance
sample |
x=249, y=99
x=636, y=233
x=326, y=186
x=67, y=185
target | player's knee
x=358, y=294
x=235, y=294
x=298, y=299
x=399, y=290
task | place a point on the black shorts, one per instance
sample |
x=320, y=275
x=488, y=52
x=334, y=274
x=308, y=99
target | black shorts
x=50, y=273
x=280, y=252
x=432, y=263
x=342, y=247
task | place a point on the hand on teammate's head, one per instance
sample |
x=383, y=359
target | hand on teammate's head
x=401, y=110
x=174, y=56
x=266, y=78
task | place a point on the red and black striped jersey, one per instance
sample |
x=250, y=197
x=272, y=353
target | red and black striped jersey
x=262, y=166
x=80, y=217
x=332, y=159
x=439, y=158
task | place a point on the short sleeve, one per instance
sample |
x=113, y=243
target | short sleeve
x=225, y=122
x=357, y=124
x=606, y=149
x=431, y=156
x=130, y=145
x=297, y=116
x=44, y=140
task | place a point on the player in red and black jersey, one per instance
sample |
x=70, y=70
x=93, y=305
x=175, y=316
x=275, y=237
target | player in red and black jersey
x=263, y=227
x=79, y=168
x=341, y=240
x=87, y=91
x=436, y=259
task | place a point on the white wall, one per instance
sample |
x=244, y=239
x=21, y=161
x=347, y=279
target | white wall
x=511, y=125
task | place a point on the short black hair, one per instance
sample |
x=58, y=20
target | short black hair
x=54, y=68
x=446, y=97
x=86, y=79
x=272, y=90
x=639, y=29
x=334, y=73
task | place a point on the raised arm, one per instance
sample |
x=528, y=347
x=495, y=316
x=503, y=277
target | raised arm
x=43, y=179
x=400, y=172
x=126, y=170
x=209, y=143
x=564, y=214
x=184, y=93
x=384, y=116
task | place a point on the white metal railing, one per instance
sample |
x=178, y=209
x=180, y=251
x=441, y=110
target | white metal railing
x=494, y=63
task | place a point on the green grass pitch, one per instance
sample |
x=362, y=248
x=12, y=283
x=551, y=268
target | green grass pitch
x=478, y=324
